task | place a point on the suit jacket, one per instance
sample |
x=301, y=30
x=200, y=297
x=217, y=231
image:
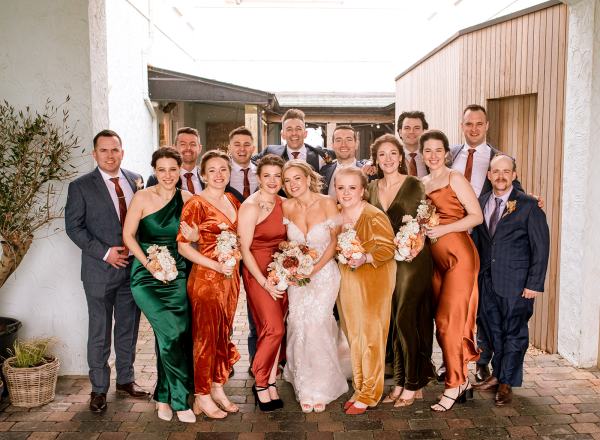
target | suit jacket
x=487, y=185
x=517, y=254
x=92, y=223
x=312, y=154
x=327, y=173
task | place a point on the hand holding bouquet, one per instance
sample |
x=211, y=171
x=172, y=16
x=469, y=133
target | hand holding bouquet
x=292, y=265
x=410, y=238
x=349, y=246
x=227, y=250
x=427, y=217
x=161, y=264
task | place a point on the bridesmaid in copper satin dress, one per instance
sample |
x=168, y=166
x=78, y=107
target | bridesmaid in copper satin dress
x=212, y=287
x=261, y=229
x=456, y=265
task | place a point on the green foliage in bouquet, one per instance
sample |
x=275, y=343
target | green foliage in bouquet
x=31, y=353
x=35, y=151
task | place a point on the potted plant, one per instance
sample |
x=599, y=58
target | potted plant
x=36, y=148
x=31, y=373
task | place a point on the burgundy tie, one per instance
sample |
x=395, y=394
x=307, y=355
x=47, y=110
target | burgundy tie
x=122, y=207
x=246, y=193
x=412, y=165
x=189, y=182
x=295, y=154
x=469, y=167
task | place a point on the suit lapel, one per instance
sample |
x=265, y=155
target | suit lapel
x=130, y=180
x=483, y=200
x=505, y=213
x=284, y=155
x=312, y=158
x=102, y=190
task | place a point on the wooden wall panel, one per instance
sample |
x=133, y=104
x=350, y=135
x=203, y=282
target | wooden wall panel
x=517, y=69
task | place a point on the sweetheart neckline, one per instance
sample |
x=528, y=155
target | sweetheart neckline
x=305, y=236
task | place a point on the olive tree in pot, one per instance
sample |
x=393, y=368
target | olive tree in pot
x=36, y=148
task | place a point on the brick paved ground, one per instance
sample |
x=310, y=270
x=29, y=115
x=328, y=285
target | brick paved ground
x=557, y=401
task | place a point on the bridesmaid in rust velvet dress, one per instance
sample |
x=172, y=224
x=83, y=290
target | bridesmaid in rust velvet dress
x=456, y=265
x=212, y=287
x=261, y=229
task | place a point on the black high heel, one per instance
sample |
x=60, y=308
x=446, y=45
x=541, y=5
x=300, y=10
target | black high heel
x=263, y=406
x=461, y=398
x=278, y=402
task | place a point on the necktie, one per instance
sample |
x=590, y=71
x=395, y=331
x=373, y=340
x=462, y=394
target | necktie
x=121, y=198
x=295, y=154
x=495, y=216
x=469, y=167
x=412, y=165
x=246, y=193
x=189, y=182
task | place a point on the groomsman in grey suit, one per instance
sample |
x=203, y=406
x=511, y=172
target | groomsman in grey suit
x=411, y=126
x=94, y=216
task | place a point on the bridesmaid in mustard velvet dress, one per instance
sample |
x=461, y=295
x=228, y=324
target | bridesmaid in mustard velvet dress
x=366, y=288
x=154, y=216
x=398, y=194
x=456, y=264
x=261, y=229
x=213, y=287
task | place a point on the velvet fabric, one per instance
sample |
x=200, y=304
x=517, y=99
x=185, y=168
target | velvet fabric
x=365, y=302
x=213, y=297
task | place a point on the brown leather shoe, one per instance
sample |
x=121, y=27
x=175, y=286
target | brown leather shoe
x=482, y=372
x=503, y=395
x=133, y=389
x=490, y=384
x=98, y=402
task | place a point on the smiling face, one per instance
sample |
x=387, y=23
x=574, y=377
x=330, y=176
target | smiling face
x=108, y=153
x=474, y=126
x=501, y=174
x=270, y=179
x=410, y=132
x=349, y=190
x=293, y=133
x=167, y=172
x=388, y=158
x=189, y=147
x=295, y=181
x=344, y=144
x=216, y=173
x=240, y=149
x=434, y=154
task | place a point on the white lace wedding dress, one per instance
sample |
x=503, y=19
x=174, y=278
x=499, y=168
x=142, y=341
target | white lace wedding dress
x=313, y=365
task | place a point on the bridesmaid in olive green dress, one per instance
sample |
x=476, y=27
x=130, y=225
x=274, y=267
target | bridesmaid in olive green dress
x=154, y=216
x=398, y=195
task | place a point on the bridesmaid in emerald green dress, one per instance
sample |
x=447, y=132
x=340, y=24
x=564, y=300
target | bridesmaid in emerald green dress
x=154, y=216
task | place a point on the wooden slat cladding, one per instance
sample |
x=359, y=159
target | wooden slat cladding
x=516, y=68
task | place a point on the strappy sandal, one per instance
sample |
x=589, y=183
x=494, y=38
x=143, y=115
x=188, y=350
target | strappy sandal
x=401, y=403
x=278, y=403
x=461, y=398
x=390, y=398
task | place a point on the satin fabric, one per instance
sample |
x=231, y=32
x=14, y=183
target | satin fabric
x=412, y=312
x=456, y=265
x=213, y=298
x=166, y=307
x=268, y=314
x=365, y=302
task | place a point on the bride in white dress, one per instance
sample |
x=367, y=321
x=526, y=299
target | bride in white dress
x=313, y=365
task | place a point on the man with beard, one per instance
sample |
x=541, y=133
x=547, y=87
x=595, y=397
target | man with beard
x=513, y=245
x=344, y=145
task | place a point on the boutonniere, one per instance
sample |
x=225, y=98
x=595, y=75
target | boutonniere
x=327, y=158
x=139, y=183
x=511, y=205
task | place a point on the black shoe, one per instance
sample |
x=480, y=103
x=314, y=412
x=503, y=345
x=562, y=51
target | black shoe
x=461, y=398
x=482, y=372
x=98, y=402
x=263, y=406
x=441, y=373
x=278, y=402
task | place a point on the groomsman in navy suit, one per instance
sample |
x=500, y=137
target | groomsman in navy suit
x=513, y=245
x=344, y=146
x=294, y=133
x=94, y=216
x=411, y=126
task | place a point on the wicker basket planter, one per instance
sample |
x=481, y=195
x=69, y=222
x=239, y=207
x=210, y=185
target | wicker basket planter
x=31, y=387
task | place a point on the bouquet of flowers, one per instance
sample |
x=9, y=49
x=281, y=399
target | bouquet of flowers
x=348, y=246
x=227, y=250
x=161, y=264
x=410, y=238
x=292, y=265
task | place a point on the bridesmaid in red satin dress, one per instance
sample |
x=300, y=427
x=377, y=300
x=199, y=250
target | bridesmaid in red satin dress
x=456, y=265
x=213, y=287
x=261, y=229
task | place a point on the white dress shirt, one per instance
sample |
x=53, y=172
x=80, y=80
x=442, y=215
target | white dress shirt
x=481, y=163
x=195, y=180
x=127, y=192
x=491, y=205
x=421, y=168
x=302, y=155
x=237, y=177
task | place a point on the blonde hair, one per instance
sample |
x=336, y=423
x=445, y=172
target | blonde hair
x=355, y=171
x=316, y=180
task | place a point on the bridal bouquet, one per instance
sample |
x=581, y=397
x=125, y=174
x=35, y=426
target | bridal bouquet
x=348, y=246
x=427, y=215
x=161, y=264
x=410, y=238
x=292, y=265
x=227, y=250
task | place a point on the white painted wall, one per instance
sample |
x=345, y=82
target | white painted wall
x=579, y=306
